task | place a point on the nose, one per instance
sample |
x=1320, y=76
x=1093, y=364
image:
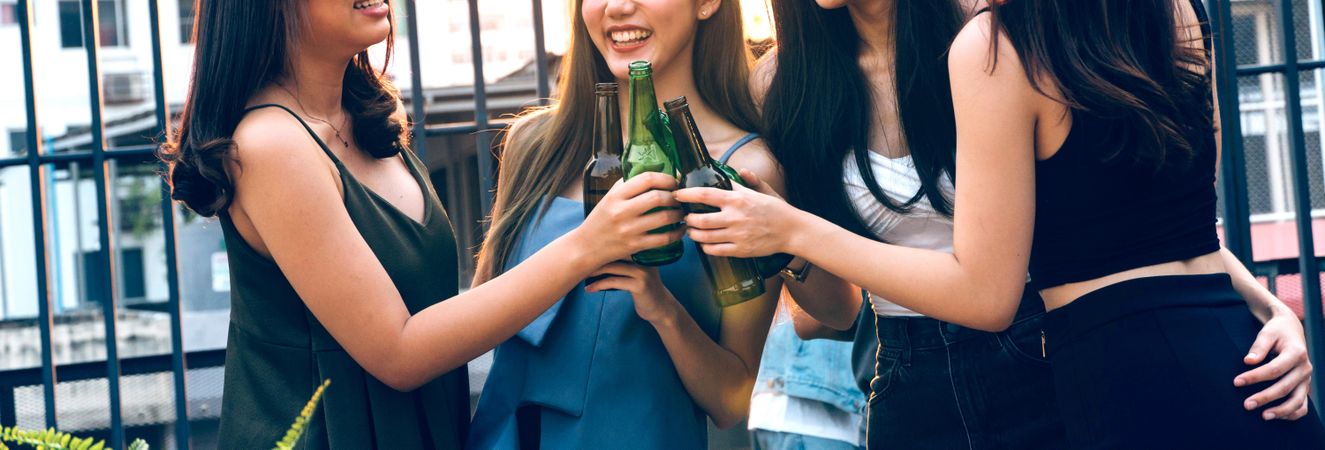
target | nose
x=619, y=8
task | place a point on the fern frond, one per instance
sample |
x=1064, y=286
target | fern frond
x=301, y=422
x=49, y=439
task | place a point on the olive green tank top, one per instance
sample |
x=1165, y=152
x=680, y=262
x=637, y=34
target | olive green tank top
x=277, y=352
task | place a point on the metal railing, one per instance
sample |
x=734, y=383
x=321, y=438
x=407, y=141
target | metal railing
x=1237, y=224
x=102, y=155
x=37, y=160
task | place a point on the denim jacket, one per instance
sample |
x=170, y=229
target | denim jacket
x=816, y=370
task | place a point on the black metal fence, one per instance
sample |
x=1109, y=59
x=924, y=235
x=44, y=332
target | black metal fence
x=1233, y=175
x=101, y=158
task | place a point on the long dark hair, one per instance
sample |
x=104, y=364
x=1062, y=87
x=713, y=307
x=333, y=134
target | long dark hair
x=1122, y=62
x=551, y=145
x=243, y=46
x=817, y=111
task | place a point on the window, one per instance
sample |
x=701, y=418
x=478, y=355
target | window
x=134, y=281
x=18, y=142
x=8, y=13
x=186, y=16
x=110, y=14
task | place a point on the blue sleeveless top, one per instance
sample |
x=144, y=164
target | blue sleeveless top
x=596, y=374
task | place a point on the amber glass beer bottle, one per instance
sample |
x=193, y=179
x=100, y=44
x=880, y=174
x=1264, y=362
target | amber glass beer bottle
x=650, y=149
x=604, y=167
x=734, y=280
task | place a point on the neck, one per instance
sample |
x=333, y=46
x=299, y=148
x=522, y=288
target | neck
x=875, y=22
x=316, y=81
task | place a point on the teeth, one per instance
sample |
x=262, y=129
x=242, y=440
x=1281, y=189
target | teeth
x=368, y=4
x=628, y=36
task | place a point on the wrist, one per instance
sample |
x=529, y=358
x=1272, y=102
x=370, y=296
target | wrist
x=582, y=256
x=1278, y=309
x=669, y=310
x=1270, y=309
x=802, y=224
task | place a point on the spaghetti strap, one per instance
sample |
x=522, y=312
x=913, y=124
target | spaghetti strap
x=737, y=146
x=1203, y=17
x=307, y=128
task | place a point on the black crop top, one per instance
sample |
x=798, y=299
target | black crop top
x=1095, y=218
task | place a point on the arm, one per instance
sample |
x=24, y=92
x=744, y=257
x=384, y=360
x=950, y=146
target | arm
x=1282, y=333
x=825, y=299
x=809, y=328
x=979, y=285
x=720, y=375
x=284, y=184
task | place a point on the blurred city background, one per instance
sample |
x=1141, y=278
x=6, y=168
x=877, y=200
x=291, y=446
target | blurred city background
x=99, y=190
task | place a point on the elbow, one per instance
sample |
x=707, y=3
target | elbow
x=992, y=324
x=400, y=374
x=1001, y=310
x=402, y=380
x=842, y=323
x=727, y=419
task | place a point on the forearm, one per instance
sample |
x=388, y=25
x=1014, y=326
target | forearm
x=932, y=283
x=808, y=328
x=1261, y=301
x=828, y=299
x=450, y=333
x=718, y=379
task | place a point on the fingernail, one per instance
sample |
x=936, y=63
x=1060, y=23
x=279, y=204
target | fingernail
x=1251, y=404
x=1239, y=382
x=1269, y=416
x=1251, y=355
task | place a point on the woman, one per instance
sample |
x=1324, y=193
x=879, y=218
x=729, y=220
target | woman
x=887, y=123
x=342, y=260
x=639, y=359
x=1086, y=128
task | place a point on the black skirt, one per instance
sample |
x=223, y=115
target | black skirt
x=1150, y=362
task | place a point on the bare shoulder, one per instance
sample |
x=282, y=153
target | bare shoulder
x=985, y=64
x=756, y=157
x=973, y=48
x=271, y=143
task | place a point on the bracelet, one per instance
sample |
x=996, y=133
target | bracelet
x=797, y=275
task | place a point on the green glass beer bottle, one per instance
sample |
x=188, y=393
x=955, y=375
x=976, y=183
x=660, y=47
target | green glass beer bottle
x=734, y=280
x=604, y=167
x=650, y=149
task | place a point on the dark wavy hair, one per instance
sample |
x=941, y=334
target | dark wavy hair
x=1123, y=63
x=817, y=111
x=242, y=46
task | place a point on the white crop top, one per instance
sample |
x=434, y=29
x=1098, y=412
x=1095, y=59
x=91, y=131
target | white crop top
x=921, y=227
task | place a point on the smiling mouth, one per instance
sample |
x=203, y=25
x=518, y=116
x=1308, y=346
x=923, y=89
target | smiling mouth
x=368, y=4
x=629, y=37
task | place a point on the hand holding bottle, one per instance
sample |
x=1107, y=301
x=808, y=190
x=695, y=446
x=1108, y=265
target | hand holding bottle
x=653, y=302
x=619, y=225
x=749, y=223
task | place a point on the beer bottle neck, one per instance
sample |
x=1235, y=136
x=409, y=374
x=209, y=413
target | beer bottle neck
x=643, y=106
x=607, y=126
x=691, y=152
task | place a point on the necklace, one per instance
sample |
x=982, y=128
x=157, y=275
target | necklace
x=342, y=140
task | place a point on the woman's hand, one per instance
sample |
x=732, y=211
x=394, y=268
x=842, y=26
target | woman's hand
x=619, y=226
x=653, y=302
x=1283, y=336
x=751, y=223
